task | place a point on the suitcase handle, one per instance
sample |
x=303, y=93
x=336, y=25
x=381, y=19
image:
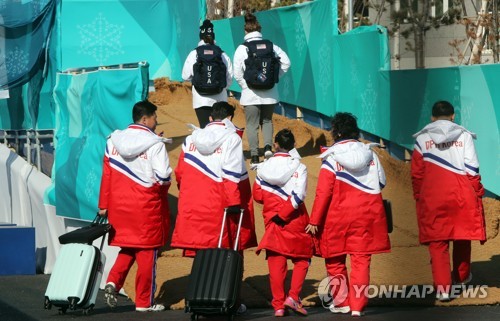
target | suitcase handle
x=237, y=233
x=101, y=220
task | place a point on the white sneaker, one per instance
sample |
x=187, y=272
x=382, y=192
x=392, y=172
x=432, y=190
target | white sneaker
x=153, y=308
x=357, y=313
x=443, y=297
x=242, y=309
x=268, y=151
x=110, y=295
x=344, y=309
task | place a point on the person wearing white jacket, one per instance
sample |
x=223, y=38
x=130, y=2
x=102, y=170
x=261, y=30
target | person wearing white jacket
x=202, y=103
x=259, y=104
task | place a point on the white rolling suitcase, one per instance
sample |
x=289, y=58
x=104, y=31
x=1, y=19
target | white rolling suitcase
x=75, y=279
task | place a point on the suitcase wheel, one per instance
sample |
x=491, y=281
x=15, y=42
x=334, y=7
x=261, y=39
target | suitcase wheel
x=63, y=310
x=88, y=310
x=47, y=305
x=73, y=301
x=194, y=317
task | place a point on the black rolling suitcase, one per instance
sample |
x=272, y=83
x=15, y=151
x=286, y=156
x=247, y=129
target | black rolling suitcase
x=215, y=280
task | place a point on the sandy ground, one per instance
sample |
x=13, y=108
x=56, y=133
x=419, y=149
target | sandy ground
x=407, y=264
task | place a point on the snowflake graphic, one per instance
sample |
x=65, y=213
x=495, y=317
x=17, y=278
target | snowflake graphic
x=38, y=5
x=16, y=62
x=300, y=37
x=88, y=115
x=465, y=113
x=178, y=25
x=326, y=68
x=90, y=185
x=369, y=102
x=101, y=39
x=286, y=87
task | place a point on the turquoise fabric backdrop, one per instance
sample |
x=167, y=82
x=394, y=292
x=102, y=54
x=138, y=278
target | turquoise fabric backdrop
x=473, y=90
x=109, y=32
x=90, y=106
x=305, y=32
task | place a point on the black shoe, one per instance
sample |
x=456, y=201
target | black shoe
x=254, y=160
x=268, y=152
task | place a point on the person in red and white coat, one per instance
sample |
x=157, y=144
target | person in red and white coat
x=134, y=196
x=281, y=186
x=212, y=176
x=448, y=193
x=348, y=215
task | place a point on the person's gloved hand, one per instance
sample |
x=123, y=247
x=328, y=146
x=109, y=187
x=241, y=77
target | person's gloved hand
x=234, y=209
x=278, y=220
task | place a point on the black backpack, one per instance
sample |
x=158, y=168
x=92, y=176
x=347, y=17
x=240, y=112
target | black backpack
x=262, y=66
x=209, y=71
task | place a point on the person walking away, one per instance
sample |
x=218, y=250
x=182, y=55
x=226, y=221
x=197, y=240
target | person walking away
x=281, y=186
x=348, y=214
x=258, y=65
x=211, y=176
x=448, y=193
x=134, y=196
x=210, y=71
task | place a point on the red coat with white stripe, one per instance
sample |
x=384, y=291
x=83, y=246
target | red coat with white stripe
x=211, y=175
x=134, y=188
x=348, y=208
x=446, y=184
x=281, y=186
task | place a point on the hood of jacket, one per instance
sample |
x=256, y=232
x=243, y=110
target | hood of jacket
x=134, y=140
x=443, y=131
x=351, y=154
x=208, y=139
x=253, y=35
x=278, y=169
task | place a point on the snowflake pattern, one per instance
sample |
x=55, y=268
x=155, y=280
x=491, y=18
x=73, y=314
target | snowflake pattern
x=286, y=87
x=325, y=70
x=300, y=37
x=101, y=39
x=178, y=25
x=369, y=103
x=465, y=112
x=90, y=185
x=38, y=5
x=88, y=123
x=16, y=63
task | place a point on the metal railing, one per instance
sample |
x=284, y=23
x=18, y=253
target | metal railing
x=32, y=144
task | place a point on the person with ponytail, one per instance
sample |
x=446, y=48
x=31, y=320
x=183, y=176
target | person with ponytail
x=257, y=79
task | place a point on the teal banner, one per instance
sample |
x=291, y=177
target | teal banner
x=89, y=106
x=473, y=90
x=360, y=87
x=306, y=33
x=109, y=32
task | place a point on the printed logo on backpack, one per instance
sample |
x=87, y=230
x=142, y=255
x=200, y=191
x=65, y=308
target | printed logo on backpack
x=262, y=66
x=209, y=71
